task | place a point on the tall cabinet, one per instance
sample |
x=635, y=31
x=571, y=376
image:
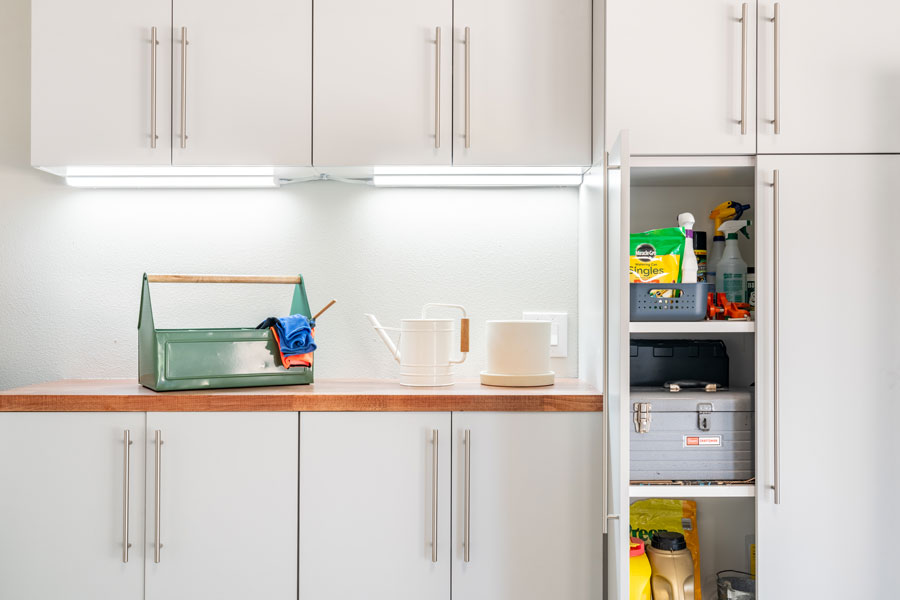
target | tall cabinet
x=826, y=356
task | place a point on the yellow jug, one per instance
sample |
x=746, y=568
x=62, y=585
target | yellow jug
x=639, y=586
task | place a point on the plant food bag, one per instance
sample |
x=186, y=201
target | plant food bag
x=657, y=255
x=657, y=514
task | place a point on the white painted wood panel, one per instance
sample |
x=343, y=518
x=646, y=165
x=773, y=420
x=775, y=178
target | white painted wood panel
x=839, y=65
x=374, y=86
x=366, y=506
x=616, y=385
x=62, y=502
x=673, y=76
x=530, y=82
x=838, y=363
x=248, y=88
x=90, y=82
x=228, y=506
x=535, y=506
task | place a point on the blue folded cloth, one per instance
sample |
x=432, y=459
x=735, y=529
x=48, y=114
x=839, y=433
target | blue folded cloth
x=294, y=333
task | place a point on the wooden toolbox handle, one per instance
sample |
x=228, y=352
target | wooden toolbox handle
x=224, y=279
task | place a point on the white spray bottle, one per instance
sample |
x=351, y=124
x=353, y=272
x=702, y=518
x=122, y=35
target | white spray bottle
x=689, y=262
x=731, y=272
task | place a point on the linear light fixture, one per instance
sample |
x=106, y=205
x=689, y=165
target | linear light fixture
x=171, y=177
x=437, y=176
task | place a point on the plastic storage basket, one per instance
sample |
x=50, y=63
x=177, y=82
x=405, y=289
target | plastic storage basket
x=689, y=305
x=189, y=359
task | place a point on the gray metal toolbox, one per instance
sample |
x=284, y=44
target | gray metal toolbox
x=691, y=435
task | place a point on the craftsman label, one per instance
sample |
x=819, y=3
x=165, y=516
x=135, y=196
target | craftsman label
x=702, y=440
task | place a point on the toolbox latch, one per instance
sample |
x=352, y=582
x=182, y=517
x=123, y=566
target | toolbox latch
x=642, y=417
x=704, y=412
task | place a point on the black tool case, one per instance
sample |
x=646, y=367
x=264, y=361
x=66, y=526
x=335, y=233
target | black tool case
x=655, y=363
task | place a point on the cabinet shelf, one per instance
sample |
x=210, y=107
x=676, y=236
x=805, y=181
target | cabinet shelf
x=692, y=327
x=692, y=491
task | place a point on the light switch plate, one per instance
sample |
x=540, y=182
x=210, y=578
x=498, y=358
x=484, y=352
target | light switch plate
x=559, y=330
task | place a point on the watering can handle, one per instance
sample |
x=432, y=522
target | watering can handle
x=156, y=278
x=463, y=328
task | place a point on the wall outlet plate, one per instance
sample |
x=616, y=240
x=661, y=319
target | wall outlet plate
x=559, y=330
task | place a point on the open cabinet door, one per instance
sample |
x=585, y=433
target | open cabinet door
x=615, y=400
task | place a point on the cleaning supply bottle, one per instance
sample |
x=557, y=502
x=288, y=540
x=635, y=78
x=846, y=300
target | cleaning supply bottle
x=639, y=568
x=671, y=565
x=689, y=262
x=700, y=253
x=731, y=271
x=723, y=212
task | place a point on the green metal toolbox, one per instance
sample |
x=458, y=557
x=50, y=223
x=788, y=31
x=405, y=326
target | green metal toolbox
x=190, y=359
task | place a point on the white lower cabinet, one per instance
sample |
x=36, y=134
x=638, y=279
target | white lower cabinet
x=527, y=506
x=373, y=498
x=225, y=506
x=62, y=497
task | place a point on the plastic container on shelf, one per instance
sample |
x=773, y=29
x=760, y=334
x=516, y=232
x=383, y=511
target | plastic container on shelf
x=688, y=302
x=639, y=584
x=672, y=566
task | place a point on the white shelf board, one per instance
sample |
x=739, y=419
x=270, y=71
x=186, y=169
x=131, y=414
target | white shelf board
x=692, y=327
x=692, y=491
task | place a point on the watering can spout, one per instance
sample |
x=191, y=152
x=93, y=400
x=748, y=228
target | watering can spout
x=382, y=333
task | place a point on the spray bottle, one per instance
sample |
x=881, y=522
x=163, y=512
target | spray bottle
x=723, y=212
x=689, y=262
x=731, y=272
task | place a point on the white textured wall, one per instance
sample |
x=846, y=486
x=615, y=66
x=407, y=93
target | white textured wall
x=71, y=260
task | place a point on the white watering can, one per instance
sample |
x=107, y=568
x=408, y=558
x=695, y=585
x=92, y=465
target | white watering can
x=426, y=346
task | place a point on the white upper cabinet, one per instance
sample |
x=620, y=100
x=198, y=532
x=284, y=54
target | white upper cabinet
x=681, y=76
x=522, y=82
x=244, y=79
x=222, y=493
x=66, y=481
x=374, y=501
x=829, y=70
x=383, y=84
x=527, y=521
x=92, y=95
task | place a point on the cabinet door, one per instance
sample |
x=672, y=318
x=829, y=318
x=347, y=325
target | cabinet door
x=62, y=508
x=616, y=373
x=372, y=492
x=245, y=80
x=382, y=84
x=677, y=77
x=837, y=65
x=828, y=364
x=226, y=488
x=522, y=82
x=92, y=82
x=526, y=506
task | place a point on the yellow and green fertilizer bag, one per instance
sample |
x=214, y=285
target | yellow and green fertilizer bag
x=657, y=514
x=656, y=256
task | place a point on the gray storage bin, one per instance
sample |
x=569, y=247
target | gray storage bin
x=690, y=305
x=691, y=435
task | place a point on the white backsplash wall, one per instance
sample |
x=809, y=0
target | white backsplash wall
x=71, y=259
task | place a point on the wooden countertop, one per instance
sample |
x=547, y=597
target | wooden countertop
x=122, y=395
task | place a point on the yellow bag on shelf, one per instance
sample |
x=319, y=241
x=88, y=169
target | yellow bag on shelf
x=680, y=516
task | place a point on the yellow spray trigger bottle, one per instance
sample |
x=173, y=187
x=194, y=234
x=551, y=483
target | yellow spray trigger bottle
x=723, y=212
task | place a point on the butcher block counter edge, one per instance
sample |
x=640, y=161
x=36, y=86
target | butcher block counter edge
x=330, y=395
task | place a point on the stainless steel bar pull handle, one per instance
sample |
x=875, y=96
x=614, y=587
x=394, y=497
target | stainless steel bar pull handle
x=156, y=538
x=467, y=540
x=434, y=496
x=468, y=93
x=776, y=446
x=126, y=495
x=184, y=45
x=437, y=87
x=744, y=9
x=154, y=44
x=776, y=20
